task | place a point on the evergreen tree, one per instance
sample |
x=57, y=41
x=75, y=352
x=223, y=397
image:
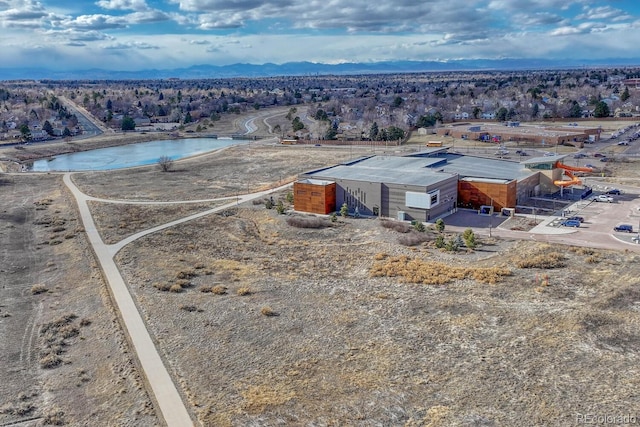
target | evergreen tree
x=128, y=123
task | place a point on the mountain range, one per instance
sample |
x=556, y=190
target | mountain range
x=310, y=68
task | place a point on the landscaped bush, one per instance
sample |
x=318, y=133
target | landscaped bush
x=307, y=222
x=400, y=227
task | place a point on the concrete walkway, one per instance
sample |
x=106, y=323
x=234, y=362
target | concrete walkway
x=162, y=387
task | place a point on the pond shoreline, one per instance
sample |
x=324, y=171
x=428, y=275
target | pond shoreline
x=14, y=158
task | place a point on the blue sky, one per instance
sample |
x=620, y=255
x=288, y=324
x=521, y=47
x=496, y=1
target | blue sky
x=142, y=34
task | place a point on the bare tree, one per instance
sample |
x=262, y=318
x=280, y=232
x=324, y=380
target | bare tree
x=165, y=163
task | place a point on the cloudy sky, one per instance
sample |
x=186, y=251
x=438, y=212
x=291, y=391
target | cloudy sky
x=142, y=34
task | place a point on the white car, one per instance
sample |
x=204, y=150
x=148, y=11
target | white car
x=603, y=198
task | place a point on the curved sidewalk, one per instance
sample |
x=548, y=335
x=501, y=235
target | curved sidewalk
x=163, y=388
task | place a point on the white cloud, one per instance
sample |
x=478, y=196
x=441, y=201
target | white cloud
x=94, y=22
x=139, y=5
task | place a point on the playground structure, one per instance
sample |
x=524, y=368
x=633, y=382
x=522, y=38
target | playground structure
x=568, y=171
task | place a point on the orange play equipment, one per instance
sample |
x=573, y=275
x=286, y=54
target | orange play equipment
x=573, y=180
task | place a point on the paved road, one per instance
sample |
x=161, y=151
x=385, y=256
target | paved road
x=162, y=387
x=91, y=127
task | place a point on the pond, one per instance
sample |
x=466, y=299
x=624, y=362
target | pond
x=126, y=156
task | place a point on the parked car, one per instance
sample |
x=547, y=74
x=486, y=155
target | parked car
x=614, y=191
x=624, y=227
x=579, y=155
x=589, y=165
x=575, y=218
x=598, y=155
x=570, y=223
x=603, y=198
x=623, y=143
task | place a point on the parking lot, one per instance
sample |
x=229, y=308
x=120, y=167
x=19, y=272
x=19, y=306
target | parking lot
x=600, y=218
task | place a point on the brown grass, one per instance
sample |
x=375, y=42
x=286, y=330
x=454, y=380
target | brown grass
x=400, y=227
x=268, y=311
x=243, y=291
x=307, y=222
x=434, y=273
x=38, y=289
x=543, y=259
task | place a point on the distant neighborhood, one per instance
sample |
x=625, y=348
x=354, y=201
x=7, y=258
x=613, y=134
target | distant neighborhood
x=376, y=107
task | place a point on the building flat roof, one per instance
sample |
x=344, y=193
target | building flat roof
x=482, y=167
x=545, y=159
x=388, y=169
x=418, y=170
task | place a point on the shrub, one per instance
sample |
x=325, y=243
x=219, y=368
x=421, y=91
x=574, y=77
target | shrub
x=219, y=290
x=280, y=207
x=400, y=227
x=189, y=274
x=469, y=238
x=439, y=225
x=344, y=210
x=175, y=288
x=306, y=222
x=268, y=204
x=38, y=289
x=189, y=308
x=452, y=245
x=290, y=197
x=413, y=239
x=268, y=311
x=243, y=291
x=162, y=286
x=418, y=226
x=333, y=217
x=440, y=243
x=543, y=260
x=50, y=361
x=85, y=322
x=54, y=417
x=433, y=273
x=165, y=163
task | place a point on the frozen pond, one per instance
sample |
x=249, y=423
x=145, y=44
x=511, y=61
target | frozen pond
x=126, y=156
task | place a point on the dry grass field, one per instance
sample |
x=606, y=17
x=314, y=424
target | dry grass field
x=343, y=325
x=263, y=322
x=64, y=357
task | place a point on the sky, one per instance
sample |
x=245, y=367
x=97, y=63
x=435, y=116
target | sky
x=131, y=35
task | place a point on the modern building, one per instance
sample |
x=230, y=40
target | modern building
x=427, y=185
